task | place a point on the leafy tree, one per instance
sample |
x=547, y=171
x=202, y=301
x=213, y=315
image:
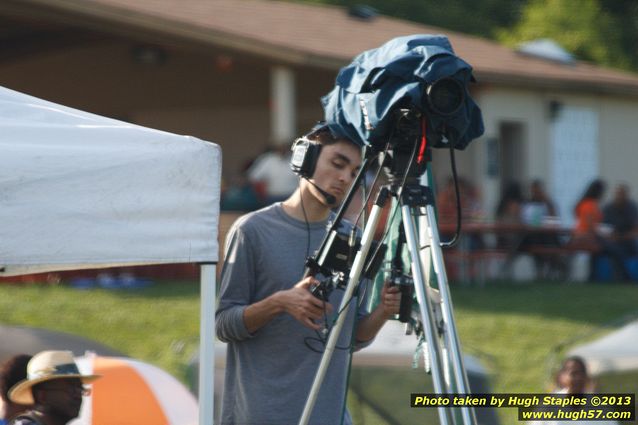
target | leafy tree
x=582, y=27
x=601, y=31
x=625, y=13
x=479, y=17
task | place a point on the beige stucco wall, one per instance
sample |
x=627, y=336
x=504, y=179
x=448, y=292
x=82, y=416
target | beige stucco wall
x=617, y=135
x=619, y=141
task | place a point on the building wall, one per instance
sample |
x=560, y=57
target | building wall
x=213, y=95
x=512, y=107
x=617, y=135
x=619, y=142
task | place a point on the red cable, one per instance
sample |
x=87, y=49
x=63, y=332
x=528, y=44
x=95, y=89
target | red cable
x=424, y=142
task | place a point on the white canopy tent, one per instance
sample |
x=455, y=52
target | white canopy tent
x=615, y=352
x=79, y=190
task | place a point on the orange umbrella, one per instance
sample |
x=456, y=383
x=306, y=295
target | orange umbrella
x=132, y=392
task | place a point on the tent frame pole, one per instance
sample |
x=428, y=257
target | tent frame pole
x=208, y=273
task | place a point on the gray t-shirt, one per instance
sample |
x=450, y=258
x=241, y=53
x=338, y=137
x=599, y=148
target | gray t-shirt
x=269, y=374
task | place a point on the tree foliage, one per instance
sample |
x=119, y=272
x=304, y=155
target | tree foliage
x=582, y=27
x=478, y=17
x=602, y=31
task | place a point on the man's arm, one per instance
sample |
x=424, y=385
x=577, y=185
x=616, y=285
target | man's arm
x=369, y=326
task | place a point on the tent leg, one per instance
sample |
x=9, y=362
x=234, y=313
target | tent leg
x=207, y=345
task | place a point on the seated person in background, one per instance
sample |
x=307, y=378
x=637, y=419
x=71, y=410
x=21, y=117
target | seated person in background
x=446, y=203
x=13, y=371
x=539, y=206
x=240, y=195
x=471, y=206
x=621, y=213
x=587, y=233
x=510, y=204
x=509, y=211
x=471, y=209
x=535, y=212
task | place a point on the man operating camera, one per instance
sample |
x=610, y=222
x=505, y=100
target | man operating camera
x=274, y=326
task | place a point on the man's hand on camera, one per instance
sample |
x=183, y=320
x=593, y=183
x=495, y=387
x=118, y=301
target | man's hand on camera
x=388, y=306
x=299, y=302
x=390, y=300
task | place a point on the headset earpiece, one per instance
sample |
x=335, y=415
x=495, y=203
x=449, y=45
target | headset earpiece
x=305, y=154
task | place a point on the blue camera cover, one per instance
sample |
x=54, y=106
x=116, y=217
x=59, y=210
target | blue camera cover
x=394, y=76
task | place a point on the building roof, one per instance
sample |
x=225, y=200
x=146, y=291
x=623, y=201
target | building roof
x=328, y=37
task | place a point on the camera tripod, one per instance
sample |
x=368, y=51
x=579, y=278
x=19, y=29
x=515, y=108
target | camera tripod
x=418, y=221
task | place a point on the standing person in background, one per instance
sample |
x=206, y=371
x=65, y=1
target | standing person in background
x=572, y=378
x=271, y=171
x=54, y=386
x=587, y=232
x=12, y=371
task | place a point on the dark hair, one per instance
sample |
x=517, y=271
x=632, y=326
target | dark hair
x=12, y=371
x=322, y=134
x=512, y=192
x=575, y=359
x=594, y=191
x=538, y=183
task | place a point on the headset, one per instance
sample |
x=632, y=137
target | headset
x=305, y=154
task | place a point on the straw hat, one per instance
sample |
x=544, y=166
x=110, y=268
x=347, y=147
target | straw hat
x=46, y=366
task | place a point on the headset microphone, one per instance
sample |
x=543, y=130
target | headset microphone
x=330, y=199
x=305, y=154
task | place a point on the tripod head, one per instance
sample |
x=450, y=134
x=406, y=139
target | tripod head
x=400, y=161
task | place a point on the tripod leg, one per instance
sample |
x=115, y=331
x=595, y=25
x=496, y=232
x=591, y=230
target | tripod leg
x=353, y=280
x=427, y=311
x=452, y=344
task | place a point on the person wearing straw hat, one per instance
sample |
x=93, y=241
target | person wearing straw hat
x=12, y=371
x=54, y=386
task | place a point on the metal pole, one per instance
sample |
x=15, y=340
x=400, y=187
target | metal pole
x=450, y=332
x=427, y=315
x=207, y=344
x=353, y=280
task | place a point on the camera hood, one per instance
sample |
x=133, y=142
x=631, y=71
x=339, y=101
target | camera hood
x=420, y=73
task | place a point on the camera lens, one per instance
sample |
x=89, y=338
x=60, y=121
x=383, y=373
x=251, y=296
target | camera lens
x=445, y=96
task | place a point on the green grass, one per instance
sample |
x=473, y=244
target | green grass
x=517, y=329
x=514, y=329
x=521, y=332
x=158, y=324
